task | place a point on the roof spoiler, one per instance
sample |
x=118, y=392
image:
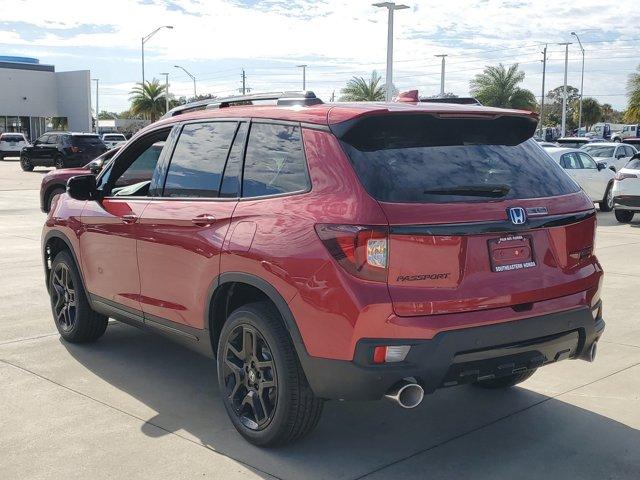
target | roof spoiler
x=302, y=98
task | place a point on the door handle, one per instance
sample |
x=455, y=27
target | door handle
x=130, y=218
x=204, y=220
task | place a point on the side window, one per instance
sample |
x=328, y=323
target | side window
x=570, y=161
x=198, y=160
x=587, y=162
x=53, y=140
x=629, y=151
x=43, y=139
x=230, y=187
x=274, y=162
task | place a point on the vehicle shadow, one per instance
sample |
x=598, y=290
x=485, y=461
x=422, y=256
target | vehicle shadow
x=354, y=439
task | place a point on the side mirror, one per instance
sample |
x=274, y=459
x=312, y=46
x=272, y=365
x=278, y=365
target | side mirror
x=82, y=187
x=601, y=166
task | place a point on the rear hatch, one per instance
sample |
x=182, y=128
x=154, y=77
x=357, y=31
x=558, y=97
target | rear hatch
x=479, y=215
x=12, y=142
x=87, y=147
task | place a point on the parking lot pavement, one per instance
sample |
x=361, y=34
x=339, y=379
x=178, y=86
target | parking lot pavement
x=136, y=405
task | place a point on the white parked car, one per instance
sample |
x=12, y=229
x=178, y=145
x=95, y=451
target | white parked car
x=113, y=139
x=615, y=155
x=11, y=144
x=626, y=191
x=595, y=179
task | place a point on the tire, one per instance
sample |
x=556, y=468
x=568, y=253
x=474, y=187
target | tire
x=58, y=161
x=53, y=193
x=624, y=216
x=506, y=381
x=617, y=140
x=606, y=205
x=266, y=393
x=25, y=164
x=72, y=314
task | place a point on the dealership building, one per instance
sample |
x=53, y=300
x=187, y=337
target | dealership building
x=34, y=98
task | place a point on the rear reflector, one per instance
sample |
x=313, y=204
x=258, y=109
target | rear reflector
x=390, y=353
x=363, y=251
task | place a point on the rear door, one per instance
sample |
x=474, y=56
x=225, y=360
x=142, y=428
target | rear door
x=184, y=226
x=467, y=201
x=596, y=180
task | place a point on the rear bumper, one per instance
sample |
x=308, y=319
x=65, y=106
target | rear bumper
x=632, y=202
x=460, y=356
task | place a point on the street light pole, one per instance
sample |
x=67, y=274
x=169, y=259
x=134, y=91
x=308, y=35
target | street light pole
x=581, y=81
x=304, y=76
x=391, y=7
x=166, y=91
x=544, y=73
x=144, y=39
x=564, y=92
x=192, y=78
x=97, y=80
x=441, y=75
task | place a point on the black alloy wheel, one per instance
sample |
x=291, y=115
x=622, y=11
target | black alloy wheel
x=64, y=297
x=250, y=377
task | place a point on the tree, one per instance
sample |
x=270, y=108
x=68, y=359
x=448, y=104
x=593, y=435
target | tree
x=553, y=106
x=633, y=89
x=105, y=115
x=148, y=100
x=498, y=87
x=591, y=112
x=359, y=89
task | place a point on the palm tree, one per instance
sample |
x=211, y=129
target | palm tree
x=498, y=87
x=633, y=89
x=359, y=89
x=148, y=100
x=591, y=112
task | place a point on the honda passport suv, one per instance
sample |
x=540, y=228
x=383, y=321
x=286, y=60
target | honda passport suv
x=344, y=251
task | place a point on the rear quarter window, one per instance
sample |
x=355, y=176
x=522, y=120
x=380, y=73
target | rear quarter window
x=425, y=159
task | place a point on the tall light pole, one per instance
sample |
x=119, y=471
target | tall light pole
x=304, y=76
x=441, y=75
x=564, y=92
x=544, y=72
x=166, y=91
x=144, y=40
x=391, y=7
x=97, y=80
x=581, y=81
x=192, y=78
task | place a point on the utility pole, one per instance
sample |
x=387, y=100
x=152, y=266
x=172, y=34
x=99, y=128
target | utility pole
x=97, y=80
x=442, y=75
x=391, y=7
x=581, y=81
x=544, y=72
x=166, y=91
x=333, y=96
x=564, y=92
x=304, y=76
x=244, y=83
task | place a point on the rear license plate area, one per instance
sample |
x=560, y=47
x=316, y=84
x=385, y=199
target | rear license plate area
x=513, y=252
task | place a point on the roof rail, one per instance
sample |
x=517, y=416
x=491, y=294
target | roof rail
x=305, y=98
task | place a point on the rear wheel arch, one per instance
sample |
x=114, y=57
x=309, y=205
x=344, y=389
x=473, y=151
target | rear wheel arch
x=231, y=290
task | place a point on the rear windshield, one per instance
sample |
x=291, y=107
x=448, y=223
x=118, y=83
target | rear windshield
x=114, y=137
x=633, y=164
x=598, y=151
x=421, y=158
x=86, y=140
x=571, y=143
x=11, y=138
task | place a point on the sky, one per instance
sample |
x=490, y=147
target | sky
x=338, y=39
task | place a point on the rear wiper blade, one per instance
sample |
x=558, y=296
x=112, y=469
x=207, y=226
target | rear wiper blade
x=493, y=191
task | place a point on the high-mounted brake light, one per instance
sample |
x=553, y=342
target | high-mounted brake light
x=362, y=251
x=621, y=176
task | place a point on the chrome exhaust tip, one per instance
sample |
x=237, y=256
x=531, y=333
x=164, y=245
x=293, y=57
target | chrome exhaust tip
x=406, y=393
x=593, y=350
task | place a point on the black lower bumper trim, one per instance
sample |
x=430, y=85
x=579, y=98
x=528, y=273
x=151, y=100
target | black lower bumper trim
x=459, y=356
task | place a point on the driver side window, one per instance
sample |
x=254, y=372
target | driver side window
x=588, y=162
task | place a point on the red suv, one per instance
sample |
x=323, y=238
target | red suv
x=333, y=251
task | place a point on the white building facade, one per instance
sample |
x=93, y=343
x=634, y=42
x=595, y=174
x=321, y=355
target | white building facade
x=34, y=98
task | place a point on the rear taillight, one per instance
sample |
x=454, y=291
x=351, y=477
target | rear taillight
x=362, y=251
x=621, y=176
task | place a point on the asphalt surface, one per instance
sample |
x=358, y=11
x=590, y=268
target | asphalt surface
x=134, y=405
